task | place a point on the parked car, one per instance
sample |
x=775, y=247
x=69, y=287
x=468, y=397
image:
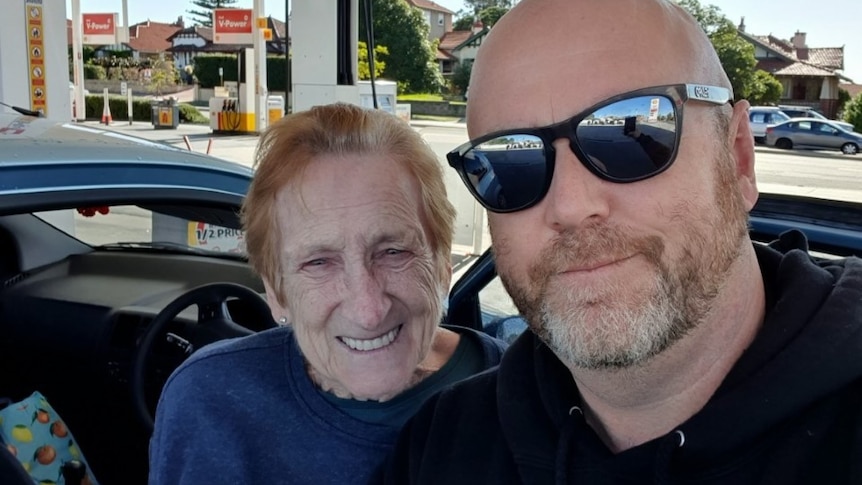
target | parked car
x=762, y=116
x=809, y=133
x=806, y=112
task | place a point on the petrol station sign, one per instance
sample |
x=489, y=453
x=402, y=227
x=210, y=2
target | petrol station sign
x=99, y=28
x=233, y=26
x=36, y=56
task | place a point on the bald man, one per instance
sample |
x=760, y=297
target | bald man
x=663, y=345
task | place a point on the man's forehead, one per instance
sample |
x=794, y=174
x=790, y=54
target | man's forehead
x=538, y=76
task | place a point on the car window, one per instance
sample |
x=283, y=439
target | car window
x=495, y=301
x=758, y=117
x=778, y=117
x=124, y=224
x=826, y=129
x=804, y=125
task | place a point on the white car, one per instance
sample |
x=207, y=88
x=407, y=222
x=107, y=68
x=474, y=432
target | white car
x=762, y=116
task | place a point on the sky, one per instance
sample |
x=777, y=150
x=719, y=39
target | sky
x=781, y=18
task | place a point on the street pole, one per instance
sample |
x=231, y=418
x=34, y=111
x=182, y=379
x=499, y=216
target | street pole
x=287, y=82
x=260, y=89
x=78, y=61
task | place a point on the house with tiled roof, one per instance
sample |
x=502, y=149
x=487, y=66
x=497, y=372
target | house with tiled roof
x=810, y=76
x=187, y=43
x=147, y=40
x=438, y=17
x=460, y=47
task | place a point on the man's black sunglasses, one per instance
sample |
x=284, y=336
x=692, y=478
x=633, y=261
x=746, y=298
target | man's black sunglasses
x=626, y=138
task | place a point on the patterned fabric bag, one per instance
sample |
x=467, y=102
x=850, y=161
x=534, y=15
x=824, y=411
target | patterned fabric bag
x=33, y=432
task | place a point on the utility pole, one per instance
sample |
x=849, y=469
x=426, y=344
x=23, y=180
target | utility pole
x=287, y=81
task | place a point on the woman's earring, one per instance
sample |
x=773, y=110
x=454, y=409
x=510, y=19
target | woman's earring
x=282, y=320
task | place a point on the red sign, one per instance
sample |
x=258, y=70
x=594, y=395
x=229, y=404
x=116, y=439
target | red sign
x=99, y=24
x=232, y=21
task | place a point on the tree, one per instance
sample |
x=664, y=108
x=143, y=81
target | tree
x=461, y=77
x=853, y=113
x=491, y=15
x=163, y=74
x=464, y=21
x=765, y=89
x=205, y=15
x=411, y=61
x=843, y=99
x=379, y=66
x=735, y=53
x=479, y=5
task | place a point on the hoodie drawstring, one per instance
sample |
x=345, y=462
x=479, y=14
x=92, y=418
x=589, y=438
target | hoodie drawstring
x=664, y=455
x=572, y=423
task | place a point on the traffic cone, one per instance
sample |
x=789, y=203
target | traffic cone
x=106, y=113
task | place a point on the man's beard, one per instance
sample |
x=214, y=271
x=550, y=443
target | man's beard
x=612, y=325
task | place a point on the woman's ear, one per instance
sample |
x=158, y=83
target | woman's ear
x=280, y=313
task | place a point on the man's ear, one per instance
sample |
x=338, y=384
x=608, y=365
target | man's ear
x=742, y=148
x=280, y=313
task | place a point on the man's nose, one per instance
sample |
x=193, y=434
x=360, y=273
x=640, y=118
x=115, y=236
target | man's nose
x=365, y=299
x=576, y=195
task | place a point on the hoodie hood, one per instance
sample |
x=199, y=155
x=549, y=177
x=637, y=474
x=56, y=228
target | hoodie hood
x=808, y=348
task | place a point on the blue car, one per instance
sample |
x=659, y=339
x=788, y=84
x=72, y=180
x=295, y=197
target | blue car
x=811, y=133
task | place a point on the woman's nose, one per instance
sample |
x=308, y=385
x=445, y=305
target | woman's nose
x=365, y=300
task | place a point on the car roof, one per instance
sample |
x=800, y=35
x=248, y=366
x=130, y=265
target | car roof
x=40, y=158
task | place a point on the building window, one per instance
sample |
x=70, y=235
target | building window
x=441, y=20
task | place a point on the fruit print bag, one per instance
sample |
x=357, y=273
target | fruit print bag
x=33, y=432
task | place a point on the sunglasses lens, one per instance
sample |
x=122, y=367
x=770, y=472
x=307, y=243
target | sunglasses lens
x=507, y=173
x=631, y=139
x=623, y=141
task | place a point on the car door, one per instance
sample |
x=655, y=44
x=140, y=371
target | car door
x=802, y=134
x=827, y=136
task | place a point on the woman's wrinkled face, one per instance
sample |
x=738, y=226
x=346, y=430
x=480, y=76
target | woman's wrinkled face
x=361, y=288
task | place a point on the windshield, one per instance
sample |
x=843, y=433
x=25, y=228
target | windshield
x=136, y=227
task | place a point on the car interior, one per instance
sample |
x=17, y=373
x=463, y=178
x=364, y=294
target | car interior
x=98, y=329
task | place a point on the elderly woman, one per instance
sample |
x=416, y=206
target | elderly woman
x=348, y=224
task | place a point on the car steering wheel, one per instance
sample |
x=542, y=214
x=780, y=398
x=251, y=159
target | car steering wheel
x=213, y=323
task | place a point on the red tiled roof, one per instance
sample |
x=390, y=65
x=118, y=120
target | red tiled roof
x=827, y=57
x=429, y=5
x=453, y=39
x=803, y=69
x=772, y=65
x=277, y=27
x=151, y=37
x=444, y=55
x=853, y=89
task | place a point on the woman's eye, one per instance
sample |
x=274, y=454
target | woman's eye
x=314, y=262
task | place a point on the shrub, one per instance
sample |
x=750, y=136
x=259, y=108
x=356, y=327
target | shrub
x=206, y=70
x=190, y=114
x=92, y=71
x=142, y=110
x=853, y=113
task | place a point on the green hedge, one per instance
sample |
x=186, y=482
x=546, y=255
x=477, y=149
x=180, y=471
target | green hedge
x=92, y=71
x=206, y=70
x=141, y=110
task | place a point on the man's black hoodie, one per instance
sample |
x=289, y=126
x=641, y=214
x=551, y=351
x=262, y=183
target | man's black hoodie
x=790, y=410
